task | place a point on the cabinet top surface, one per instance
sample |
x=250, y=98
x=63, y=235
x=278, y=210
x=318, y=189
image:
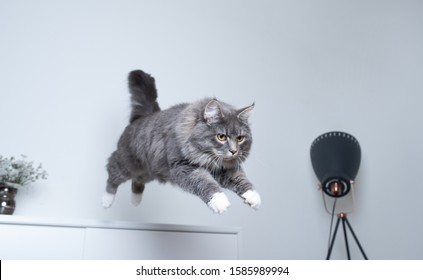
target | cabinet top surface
x=83, y=223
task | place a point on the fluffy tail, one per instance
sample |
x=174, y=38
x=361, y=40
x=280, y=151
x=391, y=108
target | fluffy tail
x=143, y=94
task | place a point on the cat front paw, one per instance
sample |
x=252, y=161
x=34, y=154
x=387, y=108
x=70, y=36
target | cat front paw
x=219, y=203
x=107, y=200
x=252, y=198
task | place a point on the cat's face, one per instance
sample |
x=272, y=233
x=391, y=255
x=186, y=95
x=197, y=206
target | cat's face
x=223, y=136
x=231, y=146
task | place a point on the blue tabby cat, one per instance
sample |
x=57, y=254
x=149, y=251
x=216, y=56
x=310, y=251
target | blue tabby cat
x=198, y=146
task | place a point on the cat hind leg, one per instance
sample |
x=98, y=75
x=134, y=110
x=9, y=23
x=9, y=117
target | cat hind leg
x=137, y=191
x=107, y=200
x=108, y=196
x=117, y=175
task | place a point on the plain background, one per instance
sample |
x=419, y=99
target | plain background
x=310, y=67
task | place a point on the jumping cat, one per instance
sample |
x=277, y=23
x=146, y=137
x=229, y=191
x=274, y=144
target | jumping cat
x=198, y=146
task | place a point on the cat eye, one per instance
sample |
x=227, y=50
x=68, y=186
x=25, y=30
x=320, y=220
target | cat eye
x=221, y=137
x=240, y=139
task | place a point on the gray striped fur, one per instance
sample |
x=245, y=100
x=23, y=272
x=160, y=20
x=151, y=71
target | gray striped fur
x=180, y=145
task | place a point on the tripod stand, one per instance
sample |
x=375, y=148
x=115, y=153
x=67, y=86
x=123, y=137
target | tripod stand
x=343, y=217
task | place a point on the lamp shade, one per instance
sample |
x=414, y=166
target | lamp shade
x=335, y=157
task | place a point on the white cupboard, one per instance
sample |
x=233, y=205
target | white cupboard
x=37, y=238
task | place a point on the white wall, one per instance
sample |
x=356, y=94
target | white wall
x=310, y=66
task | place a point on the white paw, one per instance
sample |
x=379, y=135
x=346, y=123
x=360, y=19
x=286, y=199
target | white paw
x=219, y=203
x=136, y=199
x=252, y=198
x=107, y=200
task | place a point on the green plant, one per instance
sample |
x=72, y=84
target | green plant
x=20, y=172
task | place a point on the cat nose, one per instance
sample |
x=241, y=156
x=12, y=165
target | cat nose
x=233, y=152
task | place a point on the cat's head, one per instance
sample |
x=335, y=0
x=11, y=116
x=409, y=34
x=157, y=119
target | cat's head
x=221, y=137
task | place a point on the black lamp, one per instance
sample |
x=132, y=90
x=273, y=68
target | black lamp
x=335, y=157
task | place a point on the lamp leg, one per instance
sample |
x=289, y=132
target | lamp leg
x=343, y=217
x=355, y=238
x=333, y=239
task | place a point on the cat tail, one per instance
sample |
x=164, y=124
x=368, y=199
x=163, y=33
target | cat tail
x=143, y=95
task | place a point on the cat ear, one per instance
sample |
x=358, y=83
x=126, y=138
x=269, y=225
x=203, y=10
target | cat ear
x=212, y=112
x=245, y=113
